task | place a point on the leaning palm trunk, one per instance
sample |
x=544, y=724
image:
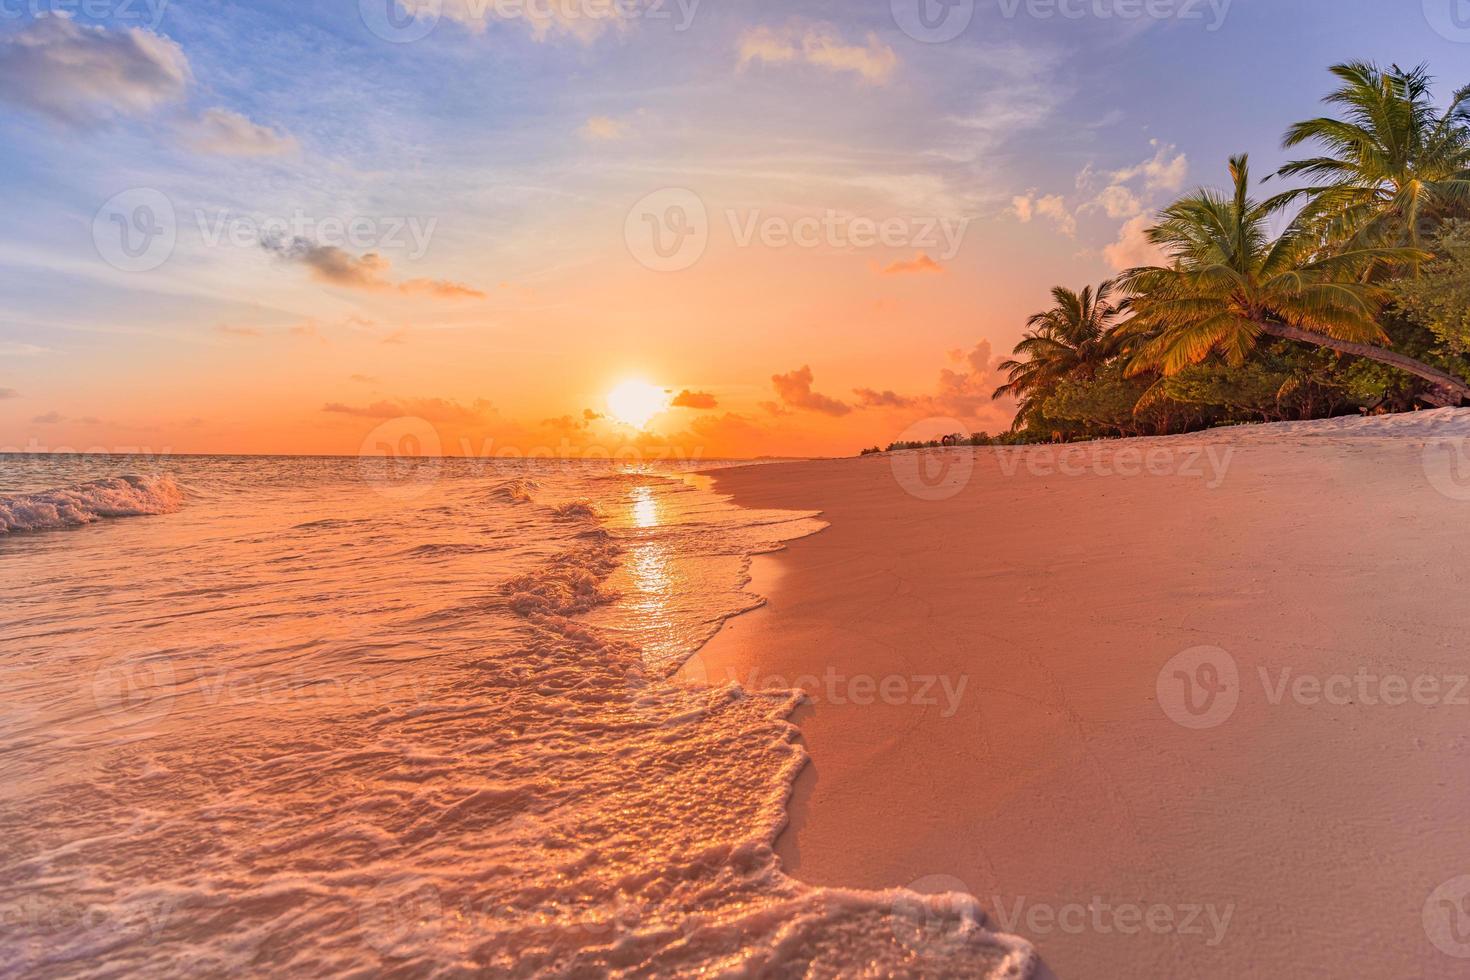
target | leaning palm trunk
x=1448, y=390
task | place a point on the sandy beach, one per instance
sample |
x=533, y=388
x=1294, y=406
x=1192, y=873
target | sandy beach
x=1183, y=707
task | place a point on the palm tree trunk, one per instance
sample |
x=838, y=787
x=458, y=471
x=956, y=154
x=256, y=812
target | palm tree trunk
x=1448, y=389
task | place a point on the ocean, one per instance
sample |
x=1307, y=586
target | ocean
x=339, y=716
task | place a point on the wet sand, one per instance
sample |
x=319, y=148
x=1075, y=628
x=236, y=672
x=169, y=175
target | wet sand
x=1191, y=707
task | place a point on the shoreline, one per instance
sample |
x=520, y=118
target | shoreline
x=989, y=687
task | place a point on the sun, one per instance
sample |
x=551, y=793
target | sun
x=635, y=403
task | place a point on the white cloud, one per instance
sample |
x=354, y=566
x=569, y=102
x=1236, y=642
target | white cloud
x=1118, y=201
x=1133, y=247
x=228, y=133
x=821, y=46
x=1053, y=206
x=1166, y=171
x=81, y=74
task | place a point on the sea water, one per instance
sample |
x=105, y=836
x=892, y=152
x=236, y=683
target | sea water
x=320, y=716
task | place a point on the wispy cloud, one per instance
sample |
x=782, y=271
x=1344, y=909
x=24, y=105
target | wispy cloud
x=429, y=409
x=224, y=132
x=338, y=267
x=603, y=128
x=821, y=46
x=920, y=263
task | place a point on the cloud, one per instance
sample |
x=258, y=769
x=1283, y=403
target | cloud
x=14, y=348
x=1027, y=206
x=694, y=399
x=337, y=267
x=84, y=75
x=50, y=418
x=919, y=263
x=231, y=331
x=428, y=409
x=1165, y=171
x=227, y=133
x=578, y=19
x=364, y=379
x=8, y=393
x=1118, y=201
x=821, y=46
x=966, y=389
x=600, y=128
x=795, y=390
x=1133, y=248
x=868, y=398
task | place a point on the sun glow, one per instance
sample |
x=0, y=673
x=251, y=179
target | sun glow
x=635, y=403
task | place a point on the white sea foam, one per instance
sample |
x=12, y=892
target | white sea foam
x=119, y=496
x=334, y=733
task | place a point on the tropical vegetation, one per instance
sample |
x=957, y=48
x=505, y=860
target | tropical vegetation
x=1348, y=294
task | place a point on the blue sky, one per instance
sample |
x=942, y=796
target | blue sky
x=522, y=153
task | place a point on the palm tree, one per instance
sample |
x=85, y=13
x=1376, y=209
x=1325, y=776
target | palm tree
x=1230, y=282
x=1073, y=339
x=1393, y=162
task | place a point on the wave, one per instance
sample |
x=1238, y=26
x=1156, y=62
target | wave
x=119, y=496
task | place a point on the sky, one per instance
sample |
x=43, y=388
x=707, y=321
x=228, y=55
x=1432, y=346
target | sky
x=804, y=227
